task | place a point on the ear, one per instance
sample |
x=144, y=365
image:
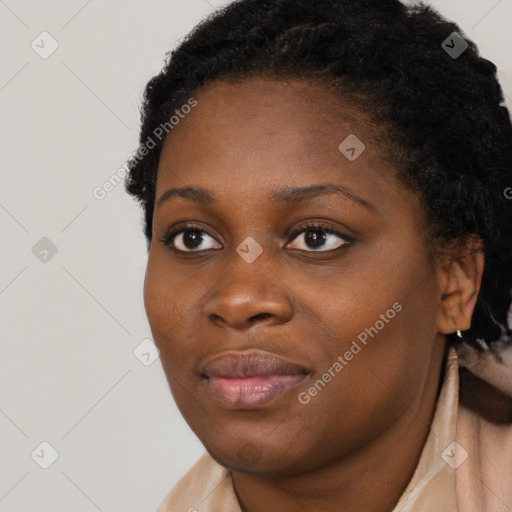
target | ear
x=459, y=277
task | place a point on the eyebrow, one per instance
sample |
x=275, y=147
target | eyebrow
x=287, y=195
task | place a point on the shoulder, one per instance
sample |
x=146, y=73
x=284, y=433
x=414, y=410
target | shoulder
x=484, y=436
x=205, y=486
x=486, y=381
x=484, y=428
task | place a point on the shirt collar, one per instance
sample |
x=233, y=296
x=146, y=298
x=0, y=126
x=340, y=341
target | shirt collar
x=432, y=486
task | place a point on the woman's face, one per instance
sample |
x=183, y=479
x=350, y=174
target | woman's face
x=351, y=312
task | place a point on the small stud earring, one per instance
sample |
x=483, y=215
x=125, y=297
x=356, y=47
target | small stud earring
x=459, y=334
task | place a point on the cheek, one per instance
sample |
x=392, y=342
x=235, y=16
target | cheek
x=167, y=304
x=377, y=342
x=168, y=311
x=373, y=385
x=171, y=301
x=388, y=336
x=162, y=308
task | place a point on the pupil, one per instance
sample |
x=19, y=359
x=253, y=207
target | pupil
x=190, y=237
x=317, y=241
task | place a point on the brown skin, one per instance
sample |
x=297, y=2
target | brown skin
x=356, y=444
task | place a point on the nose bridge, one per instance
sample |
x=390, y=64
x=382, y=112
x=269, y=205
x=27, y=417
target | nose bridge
x=248, y=292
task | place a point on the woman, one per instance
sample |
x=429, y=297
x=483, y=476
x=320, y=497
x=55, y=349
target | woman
x=330, y=239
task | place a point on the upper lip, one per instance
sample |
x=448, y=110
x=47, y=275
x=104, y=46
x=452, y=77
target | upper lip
x=243, y=365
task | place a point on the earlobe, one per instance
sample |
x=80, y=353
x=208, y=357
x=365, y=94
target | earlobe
x=460, y=280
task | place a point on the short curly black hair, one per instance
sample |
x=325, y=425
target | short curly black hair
x=447, y=132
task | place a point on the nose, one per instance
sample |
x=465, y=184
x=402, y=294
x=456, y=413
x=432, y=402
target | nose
x=249, y=294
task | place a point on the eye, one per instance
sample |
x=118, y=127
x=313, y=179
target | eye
x=311, y=237
x=319, y=238
x=191, y=238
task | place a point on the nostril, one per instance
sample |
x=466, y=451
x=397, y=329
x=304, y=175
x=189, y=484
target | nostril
x=216, y=319
x=260, y=316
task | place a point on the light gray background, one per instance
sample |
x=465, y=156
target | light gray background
x=69, y=326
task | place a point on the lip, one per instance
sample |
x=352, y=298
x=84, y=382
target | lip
x=249, y=380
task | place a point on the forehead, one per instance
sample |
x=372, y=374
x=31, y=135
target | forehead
x=260, y=133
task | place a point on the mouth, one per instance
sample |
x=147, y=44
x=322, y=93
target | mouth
x=250, y=380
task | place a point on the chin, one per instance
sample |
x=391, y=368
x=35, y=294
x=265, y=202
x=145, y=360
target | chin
x=249, y=457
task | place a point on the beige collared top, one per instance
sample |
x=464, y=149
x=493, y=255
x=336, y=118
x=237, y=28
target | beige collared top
x=465, y=465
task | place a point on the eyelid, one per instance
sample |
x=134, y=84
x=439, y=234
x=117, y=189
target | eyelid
x=321, y=225
x=171, y=233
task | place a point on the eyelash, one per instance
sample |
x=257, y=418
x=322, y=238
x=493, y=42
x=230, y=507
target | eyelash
x=171, y=233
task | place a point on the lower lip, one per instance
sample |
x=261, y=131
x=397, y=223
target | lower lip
x=251, y=392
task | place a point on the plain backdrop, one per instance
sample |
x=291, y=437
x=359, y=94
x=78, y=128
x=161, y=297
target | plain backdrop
x=72, y=266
